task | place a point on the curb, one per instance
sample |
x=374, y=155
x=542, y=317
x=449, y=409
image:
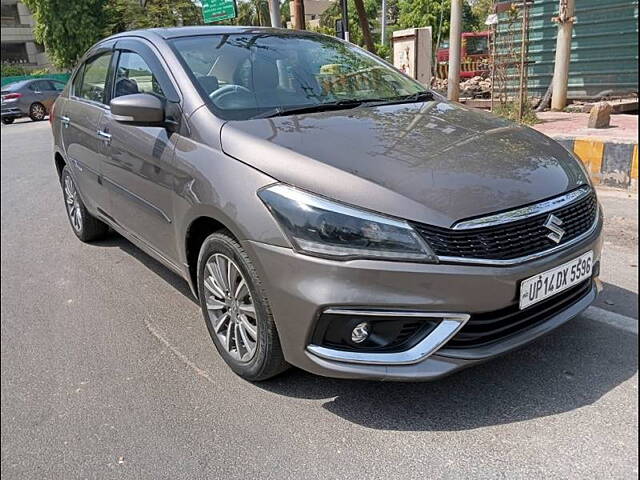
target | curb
x=613, y=163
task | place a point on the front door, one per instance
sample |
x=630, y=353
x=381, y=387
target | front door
x=81, y=117
x=140, y=173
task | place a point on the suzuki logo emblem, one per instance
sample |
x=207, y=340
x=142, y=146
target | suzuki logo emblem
x=553, y=223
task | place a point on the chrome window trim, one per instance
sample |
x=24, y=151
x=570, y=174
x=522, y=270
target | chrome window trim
x=528, y=258
x=450, y=325
x=524, y=212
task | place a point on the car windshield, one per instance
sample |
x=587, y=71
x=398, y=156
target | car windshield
x=249, y=75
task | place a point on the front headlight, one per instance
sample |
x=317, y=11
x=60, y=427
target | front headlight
x=318, y=226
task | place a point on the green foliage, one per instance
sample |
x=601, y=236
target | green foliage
x=67, y=28
x=252, y=12
x=509, y=110
x=385, y=52
x=481, y=10
x=334, y=12
x=435, y=14
x=40, y=71
x=9, y=70
x=123, y=15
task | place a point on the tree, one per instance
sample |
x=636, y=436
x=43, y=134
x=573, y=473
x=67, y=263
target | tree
x=253, y=12
x=123, y=15
x=364, y=26
x=334, y=12
x=435, y=14
x=67, y=28
x=481, y=10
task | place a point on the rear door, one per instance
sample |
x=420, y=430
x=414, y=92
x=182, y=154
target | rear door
x=43, y=92
x=140, y=172
x=85, y=144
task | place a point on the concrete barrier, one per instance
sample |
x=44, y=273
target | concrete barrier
x=610, y=162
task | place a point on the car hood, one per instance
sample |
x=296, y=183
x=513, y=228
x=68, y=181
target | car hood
x=433, y=162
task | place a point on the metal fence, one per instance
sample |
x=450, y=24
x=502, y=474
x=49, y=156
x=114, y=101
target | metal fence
x=63, y=77
x=604, y=49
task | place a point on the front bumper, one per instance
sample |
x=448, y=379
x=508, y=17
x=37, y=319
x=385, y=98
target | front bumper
x=11, y=112
x=300, y=287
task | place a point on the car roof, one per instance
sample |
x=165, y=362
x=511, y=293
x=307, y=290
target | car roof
x=177, y=32
x=15, y=85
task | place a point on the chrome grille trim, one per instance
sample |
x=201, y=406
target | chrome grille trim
x=524, y=212
x=527, y=258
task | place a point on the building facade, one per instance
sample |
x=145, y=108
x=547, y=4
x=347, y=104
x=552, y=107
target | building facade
x=312, y=11
x=18, y=45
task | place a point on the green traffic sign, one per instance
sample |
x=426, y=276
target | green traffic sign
x=218, y=10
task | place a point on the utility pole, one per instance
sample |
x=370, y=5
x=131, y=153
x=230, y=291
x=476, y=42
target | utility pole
x=383, y=23
x=274, y=13
x=524, y=50
x=455, y=47
x=345, y=20
x=298, y=15
x=564, y=20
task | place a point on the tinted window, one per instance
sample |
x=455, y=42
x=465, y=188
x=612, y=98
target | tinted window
x=39, y=86
x=477, y=45
x=94, y=78
x=246, y=75
x=58, y=86
x=135, y=76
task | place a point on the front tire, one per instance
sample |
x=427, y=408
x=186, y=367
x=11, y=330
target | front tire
x=236, y=310
x=8, y=120
x=86, y=227
x=37, y=112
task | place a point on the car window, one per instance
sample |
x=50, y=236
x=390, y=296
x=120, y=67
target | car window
x=39, y=86
x=135, y=76
x=247, y=75
x=94, y=78
x=56, y=85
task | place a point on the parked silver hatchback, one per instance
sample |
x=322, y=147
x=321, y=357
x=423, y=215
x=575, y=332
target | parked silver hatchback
x=327, y=211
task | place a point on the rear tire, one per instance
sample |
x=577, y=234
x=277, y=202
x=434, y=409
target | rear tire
x=8, y=120
x=236, y=310
x=37, y=112
x=86, y=227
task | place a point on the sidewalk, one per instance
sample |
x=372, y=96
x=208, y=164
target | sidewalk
x=610, y=154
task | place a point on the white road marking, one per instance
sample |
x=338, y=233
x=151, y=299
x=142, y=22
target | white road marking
x=611, y=318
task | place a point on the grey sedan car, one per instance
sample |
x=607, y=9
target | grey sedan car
x=327, y=211
x=29, y=98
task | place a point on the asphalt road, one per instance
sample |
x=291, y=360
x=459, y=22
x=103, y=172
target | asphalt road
x=108, y=372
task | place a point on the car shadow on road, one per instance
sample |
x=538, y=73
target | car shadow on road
x=173, y=279
x=571, y=368
x=618, y=300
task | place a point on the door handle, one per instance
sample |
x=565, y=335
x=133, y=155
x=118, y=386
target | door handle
x=65, y=120
x=104, y=135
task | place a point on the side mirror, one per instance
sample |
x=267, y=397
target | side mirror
x=141, y=109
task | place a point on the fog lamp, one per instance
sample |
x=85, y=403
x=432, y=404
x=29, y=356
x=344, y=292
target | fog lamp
x=360, y=332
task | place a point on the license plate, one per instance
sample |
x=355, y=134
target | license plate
x=547, y=284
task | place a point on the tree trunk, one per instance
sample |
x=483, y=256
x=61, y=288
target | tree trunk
x=298, y=15
x=364, y=26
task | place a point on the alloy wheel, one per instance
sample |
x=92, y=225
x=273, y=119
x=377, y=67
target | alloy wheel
x=73, y=203
x=230, y=307
x=38, y=111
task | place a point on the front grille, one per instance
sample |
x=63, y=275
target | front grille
x=485, y=328
x=514, y=239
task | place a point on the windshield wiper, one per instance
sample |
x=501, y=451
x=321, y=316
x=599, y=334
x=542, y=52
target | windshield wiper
x=413, y=98
x=346, y=104
x=319, y=107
